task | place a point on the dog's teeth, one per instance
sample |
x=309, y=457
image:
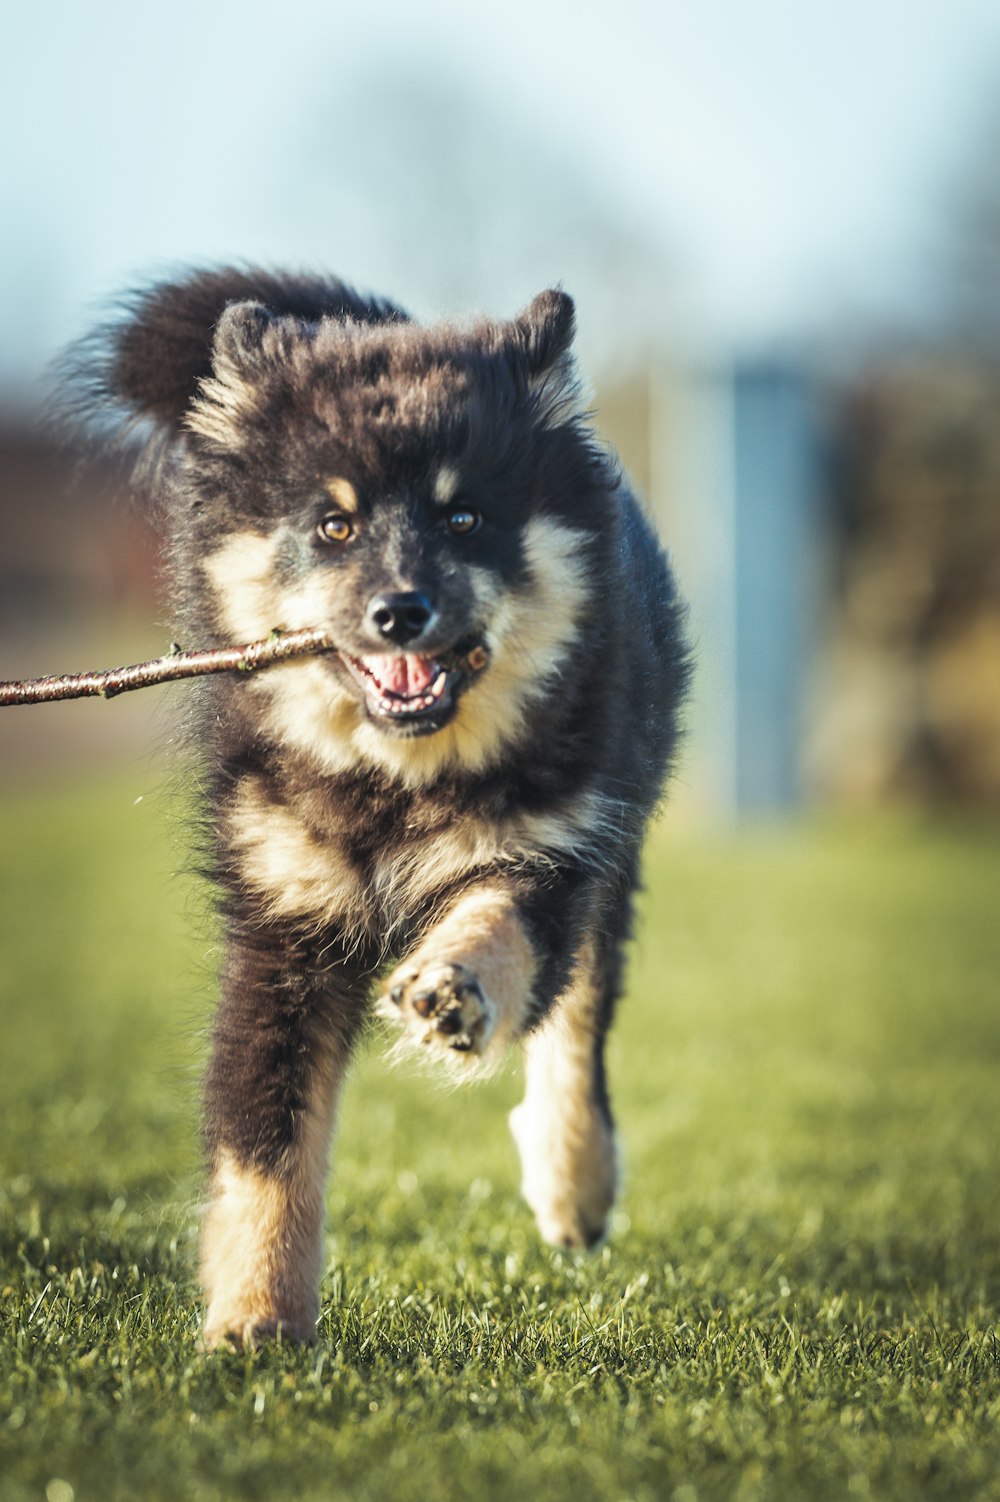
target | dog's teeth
x=402, y=705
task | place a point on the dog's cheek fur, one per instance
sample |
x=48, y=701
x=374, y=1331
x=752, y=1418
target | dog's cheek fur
x=532, y=631
x=240, y=574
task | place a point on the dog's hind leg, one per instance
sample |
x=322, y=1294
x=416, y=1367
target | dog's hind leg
x=563, y=1128
x=282, y=1043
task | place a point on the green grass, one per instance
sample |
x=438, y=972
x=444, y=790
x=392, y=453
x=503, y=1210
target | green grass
x=799, y=1296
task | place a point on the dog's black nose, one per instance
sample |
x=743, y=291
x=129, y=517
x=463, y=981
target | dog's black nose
x=402, y=617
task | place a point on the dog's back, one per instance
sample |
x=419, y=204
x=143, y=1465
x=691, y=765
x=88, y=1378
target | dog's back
x=459, y=791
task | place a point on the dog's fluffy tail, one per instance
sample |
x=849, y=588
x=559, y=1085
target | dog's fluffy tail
x=127, y=385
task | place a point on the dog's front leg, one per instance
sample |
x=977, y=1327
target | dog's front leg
x=466, y=990
x=281, y=1045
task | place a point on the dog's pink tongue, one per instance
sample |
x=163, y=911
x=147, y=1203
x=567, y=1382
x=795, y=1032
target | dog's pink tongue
x=406, y=676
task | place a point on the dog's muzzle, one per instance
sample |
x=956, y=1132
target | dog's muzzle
x=413, y=692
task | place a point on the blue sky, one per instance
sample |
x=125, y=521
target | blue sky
x=776, y=168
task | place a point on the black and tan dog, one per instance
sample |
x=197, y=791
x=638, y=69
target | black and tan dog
x=452, y=801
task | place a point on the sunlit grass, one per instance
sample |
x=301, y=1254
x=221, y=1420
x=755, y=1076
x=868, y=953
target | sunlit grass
x=800, y=1292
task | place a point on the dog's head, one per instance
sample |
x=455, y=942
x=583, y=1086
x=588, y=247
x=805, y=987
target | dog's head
x=426, y=495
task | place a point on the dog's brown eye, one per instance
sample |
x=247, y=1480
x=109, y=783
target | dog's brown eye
x=463, y=520
x=335, y=528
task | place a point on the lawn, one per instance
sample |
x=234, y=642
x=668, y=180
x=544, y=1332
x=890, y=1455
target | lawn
x=799, y=1296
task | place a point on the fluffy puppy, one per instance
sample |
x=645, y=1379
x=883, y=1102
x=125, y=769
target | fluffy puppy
x=449, y=806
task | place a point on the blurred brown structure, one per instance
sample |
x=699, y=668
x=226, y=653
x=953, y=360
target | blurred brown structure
x=78, y=590
x=908, y=704
x=68, y=539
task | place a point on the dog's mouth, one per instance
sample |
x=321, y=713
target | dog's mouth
x=414, y=692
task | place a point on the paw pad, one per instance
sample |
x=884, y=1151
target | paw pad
x=443, y=1005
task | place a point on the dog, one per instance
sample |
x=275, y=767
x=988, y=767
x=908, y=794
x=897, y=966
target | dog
x=448, y=808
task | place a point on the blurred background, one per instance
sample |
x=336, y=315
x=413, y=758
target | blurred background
x=781, y=225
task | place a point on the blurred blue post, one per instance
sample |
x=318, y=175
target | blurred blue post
x=776, y=477
x=736, y=484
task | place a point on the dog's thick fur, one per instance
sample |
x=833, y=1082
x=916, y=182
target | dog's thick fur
x=452, y=803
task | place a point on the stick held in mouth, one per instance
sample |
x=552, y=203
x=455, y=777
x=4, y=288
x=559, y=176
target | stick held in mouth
x=280, y=646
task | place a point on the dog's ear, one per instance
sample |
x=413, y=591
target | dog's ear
x=239, y=335
x=248, y=338
x=545, y=329
x=542, y=347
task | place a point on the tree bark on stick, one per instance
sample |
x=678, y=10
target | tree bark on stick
x=280, y=646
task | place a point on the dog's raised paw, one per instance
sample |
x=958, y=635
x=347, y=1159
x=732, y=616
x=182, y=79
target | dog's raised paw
x=442, y=1006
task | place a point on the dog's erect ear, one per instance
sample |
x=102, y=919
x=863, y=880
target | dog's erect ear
x=545, y=329
x=239, y=335
x=542, y=339
x=247, y=338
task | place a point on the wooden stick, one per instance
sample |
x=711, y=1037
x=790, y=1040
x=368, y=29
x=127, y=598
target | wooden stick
x=280, y=646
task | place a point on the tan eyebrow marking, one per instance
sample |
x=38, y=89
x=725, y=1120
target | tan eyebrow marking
x=446, y=483
x=342, y=493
